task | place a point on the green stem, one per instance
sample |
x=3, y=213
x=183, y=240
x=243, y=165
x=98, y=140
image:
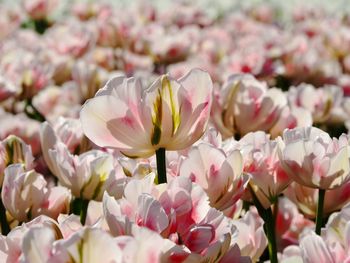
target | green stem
x=32, y=112
x=79, y=206
x=75, y=206
x=275, y=210
x=161, y=166
x=5, y=228
x=271, y=235
x=83, y=211
x=41, y=25
x=246, y=205
x=269, y=225
x=258, y=205
x=319, y=216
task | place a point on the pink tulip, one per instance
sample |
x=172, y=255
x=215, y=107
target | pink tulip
x=291, y=118
x=15, y=247
x=245, y=104
x=85, y=10
x=39, y=9
x=169, y=114
x=104, y=57
x=179, y=69
x=86, y=175
x=261, y=161
x=181, y=213
x=251, y=238
x=89, y=79
x=131, y=63
x=174, y=47
x=318, y=101
x=337, y=234
x=306, y=198
x=87, y=245
x=71, y=38
x=134, y=208
x=147, y=246
x=14, y=150
x=25, y=195
x=109, y=32
x=290, y=223
x=7, y=89
x=315, y=160
x=186, y=15
x=215, y=43
x=35, y=77
x=65, y=130
x=291, y=254
x=315, y=249
x=54, y=102
x=23, y=127
x=37, y=244
x=10, y=20
x=331, y=246
x=219, y=175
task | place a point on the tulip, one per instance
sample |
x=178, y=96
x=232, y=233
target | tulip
x=315, y=160
x=291, y=254
x=251, y=238
x=169, y=115
x=220, y=175
x=67, y=131
x=291, y=118
x=244, y=105
x=88, y=78
x=318, y=101
x=39, y=9
x=25, y=195
x=37, y=244
x=14, y=150
x=315, y=249
x=86, y=175
x=331, y=246
x=261, y=161
x=181, y=213
x=337, y=234
x=268, y=179
x=7, y=89
x=71, y=38
x=306, y=198
x=17, y=245
x=147, y=246
x=86, y=245
x=290, y=223
x=23, y=127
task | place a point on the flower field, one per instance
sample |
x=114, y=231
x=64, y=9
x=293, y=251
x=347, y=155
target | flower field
x=174, y=131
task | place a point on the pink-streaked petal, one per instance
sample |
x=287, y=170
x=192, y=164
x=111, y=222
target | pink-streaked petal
x=112, y=128
x=200, y=237
x=151, y=214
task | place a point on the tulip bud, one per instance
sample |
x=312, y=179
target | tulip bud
x=13, y=150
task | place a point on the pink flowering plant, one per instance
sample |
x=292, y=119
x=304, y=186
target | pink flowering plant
x=162, y=131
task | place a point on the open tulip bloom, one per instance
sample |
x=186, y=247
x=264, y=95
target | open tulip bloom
x=312, y=158
x=139, y=121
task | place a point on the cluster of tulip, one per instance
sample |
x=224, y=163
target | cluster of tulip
x=154, y=135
